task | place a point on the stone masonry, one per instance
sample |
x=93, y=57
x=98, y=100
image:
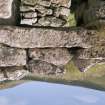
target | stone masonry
x=34, y=37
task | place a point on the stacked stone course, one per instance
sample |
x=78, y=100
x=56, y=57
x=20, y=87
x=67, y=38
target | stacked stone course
x=45, y=50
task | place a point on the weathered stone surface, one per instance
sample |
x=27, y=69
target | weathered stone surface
x=95, y=52
x=53, y=13
x=56, y=56
x=44, y=11
x=9, y=12
x=29, y=21
x=65, y=3
x=51, y=21
x=44, y=68
x=47, y=3
x=12, y=73
x=28, y=15
x=12, y=56
x=84, y=64
x=62, y=12
x=41, y=38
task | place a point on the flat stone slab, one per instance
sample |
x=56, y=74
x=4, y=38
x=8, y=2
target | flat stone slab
x=9, y=11
x=56, y=56
x=42, y=38
x=12, y=56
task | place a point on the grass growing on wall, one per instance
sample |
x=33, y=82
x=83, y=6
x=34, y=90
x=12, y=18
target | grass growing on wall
x=71, y=21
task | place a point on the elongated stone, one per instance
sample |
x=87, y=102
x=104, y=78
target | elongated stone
x=42, y=37
x=12, y=56
x=56, y=56
x=9, y=12
x=44, y=68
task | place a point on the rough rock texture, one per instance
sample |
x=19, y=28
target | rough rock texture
x=95, y=52
x=53, y=13
x=9, y=12
x=12, y=73
x=12, y=56
x=46, y=49
x=42, y=38
x=84, y=64
x=44, y=68
x=56, y=56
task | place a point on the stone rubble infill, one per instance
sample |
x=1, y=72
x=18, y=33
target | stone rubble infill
x=12, y=56
x=56, y=56
x=53, y=13
x=45, y=68
x=43, y=38
x=9, y=12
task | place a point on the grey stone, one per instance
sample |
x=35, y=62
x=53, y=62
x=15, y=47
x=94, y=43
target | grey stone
x=84, y=64
x=65, y=3
x=9, y=12
x=43, y=38
x=12, y=56
x=51, y=21
x=28, y=15
x=44, y=68
x=56, y=56
x=62, y=12
x=47, y=3
x=29, y=21
x=44, y=11
x=12, y=73
x=95, y=52
x=27, y=8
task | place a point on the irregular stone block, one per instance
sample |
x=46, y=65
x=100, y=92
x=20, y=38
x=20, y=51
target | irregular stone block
x=43, y=38
x=56, y=56
x=9, y=12
x=65, y=3
x=62, y=12
x=12, y=73
x=44, y=68
x=51, y=21
x=84, y=64
x=28, y=15
x=29, y=21
x=47, y=3
x=12, y=56
x=43, y=11
x=97, y=52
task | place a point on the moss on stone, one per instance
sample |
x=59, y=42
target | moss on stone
x=71, y=21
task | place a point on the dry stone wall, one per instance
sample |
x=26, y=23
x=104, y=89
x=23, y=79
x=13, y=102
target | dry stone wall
x=46, y=50
x=52, y=13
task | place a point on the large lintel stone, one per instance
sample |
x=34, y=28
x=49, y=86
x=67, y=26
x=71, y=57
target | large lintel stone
x=42, y=37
